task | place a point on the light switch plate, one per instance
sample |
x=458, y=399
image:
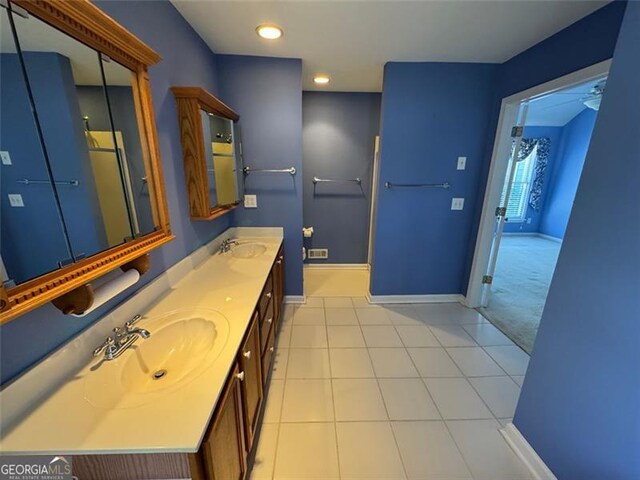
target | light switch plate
x=457, y=203
x=250, y=201
x=5, y=157
x=15, y=200
x=462, y=163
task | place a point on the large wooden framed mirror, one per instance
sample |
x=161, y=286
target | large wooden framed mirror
x=82, y=191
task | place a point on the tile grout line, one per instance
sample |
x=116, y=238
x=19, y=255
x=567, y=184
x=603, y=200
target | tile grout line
x=384, y=402
x=333, y=398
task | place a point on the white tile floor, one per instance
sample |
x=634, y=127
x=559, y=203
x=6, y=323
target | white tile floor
x=412, y=392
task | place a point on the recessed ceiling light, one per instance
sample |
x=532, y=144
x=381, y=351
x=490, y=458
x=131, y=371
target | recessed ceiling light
x=269, y=31
x=321, y=79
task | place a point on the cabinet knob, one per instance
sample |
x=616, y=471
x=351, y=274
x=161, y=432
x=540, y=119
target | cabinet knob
x=247, y=354
x=240, y=376
x=279, y=262
x=281, y=257
x=270, y=320
x=271, y=349
x=268, y=294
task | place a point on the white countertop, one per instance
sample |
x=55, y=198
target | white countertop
x=65, y=422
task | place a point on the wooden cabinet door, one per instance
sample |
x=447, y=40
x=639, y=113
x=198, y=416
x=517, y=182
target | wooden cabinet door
x=251, y=379
x=224, y=448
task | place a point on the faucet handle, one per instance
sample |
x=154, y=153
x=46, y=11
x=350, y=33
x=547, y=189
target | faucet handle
x=133, y=321
x=109, y=342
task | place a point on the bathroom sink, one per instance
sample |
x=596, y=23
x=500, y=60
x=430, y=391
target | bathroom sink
x=248, y=250
x=183, y=343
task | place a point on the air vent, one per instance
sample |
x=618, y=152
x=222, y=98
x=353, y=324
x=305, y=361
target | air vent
x=317, y=253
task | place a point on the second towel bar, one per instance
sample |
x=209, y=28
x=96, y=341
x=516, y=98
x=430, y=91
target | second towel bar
x=329, y=180
x=428, y=185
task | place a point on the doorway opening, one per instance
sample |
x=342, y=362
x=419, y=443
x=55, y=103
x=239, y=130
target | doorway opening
x=339, y=187
x=542, y=142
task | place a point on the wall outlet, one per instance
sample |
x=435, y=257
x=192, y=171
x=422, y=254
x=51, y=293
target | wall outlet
x=457, y=203
x=5, y=157
x=462, y=163
x=250, y=201
x=15, y=200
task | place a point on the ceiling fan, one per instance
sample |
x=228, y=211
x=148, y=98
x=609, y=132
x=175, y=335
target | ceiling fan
x=590, y=99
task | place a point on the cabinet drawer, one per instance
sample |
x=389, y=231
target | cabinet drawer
x=266, y=324
x=267, y=357
x=265, y=297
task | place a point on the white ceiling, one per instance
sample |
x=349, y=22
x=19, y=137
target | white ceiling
x=352, y=40
x=559, y=108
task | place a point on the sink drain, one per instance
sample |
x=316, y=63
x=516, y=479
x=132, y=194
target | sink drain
x=159, y=374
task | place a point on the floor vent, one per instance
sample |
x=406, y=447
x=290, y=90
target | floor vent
x=317, y=253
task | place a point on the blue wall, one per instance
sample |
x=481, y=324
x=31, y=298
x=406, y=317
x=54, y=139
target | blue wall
x=588, y=41
x=22, y=253
x=579, y=402
x=34, y=335
x=431, y=114
x=339, y=131
x=532, y=217
x=267, y=94
x=566, y=173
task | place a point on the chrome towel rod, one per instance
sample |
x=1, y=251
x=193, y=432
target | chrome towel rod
x=248, y=170
x=26, y=181
x=351, y=180
x=427, y=185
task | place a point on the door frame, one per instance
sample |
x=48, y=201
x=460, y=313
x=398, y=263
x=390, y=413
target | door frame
x=509, y=110
x=375, y=177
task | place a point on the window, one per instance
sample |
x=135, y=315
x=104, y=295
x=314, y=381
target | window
x=519, y=196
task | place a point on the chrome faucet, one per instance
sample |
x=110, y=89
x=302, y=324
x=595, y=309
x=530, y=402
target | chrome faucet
x=123, y=338
x=225, y=246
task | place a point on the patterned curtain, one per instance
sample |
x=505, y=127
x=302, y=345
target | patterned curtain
x=542, y=159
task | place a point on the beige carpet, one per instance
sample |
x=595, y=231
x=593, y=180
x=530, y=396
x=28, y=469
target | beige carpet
x=520, y=286
x=336, y=282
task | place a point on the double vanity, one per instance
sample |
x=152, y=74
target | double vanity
x=184, y=399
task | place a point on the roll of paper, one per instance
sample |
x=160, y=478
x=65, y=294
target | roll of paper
x=110, y=289
x=307, y=232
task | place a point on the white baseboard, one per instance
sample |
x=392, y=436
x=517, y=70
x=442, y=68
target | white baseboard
x=453, y=298
x=526, y=453
x=549, y=237
x=295, y=299
x=338, y=266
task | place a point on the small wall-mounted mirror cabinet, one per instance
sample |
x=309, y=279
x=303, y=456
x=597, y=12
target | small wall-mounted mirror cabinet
x=80, y=176
x=212, y=152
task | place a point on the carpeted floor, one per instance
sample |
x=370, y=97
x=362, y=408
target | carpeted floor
x=520, y=285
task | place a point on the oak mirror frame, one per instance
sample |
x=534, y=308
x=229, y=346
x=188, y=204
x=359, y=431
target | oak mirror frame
x=213, y=175
x=87, y=24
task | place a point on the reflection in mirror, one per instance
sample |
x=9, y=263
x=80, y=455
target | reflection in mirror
x=71, y=101
x=32, y=236
x=221, y=159
x=125, y=140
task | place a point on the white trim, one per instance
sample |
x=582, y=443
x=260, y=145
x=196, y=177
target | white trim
x=373, y=207
x=497, y=170
x=295, y=299
x=453, y=298
x=337, y=266
x=526, y=453
x=549, y=237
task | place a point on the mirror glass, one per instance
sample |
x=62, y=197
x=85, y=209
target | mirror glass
x=120, y=82
x=222, y=159
x=32, y=234
x=87, y=118
x=73, y=173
